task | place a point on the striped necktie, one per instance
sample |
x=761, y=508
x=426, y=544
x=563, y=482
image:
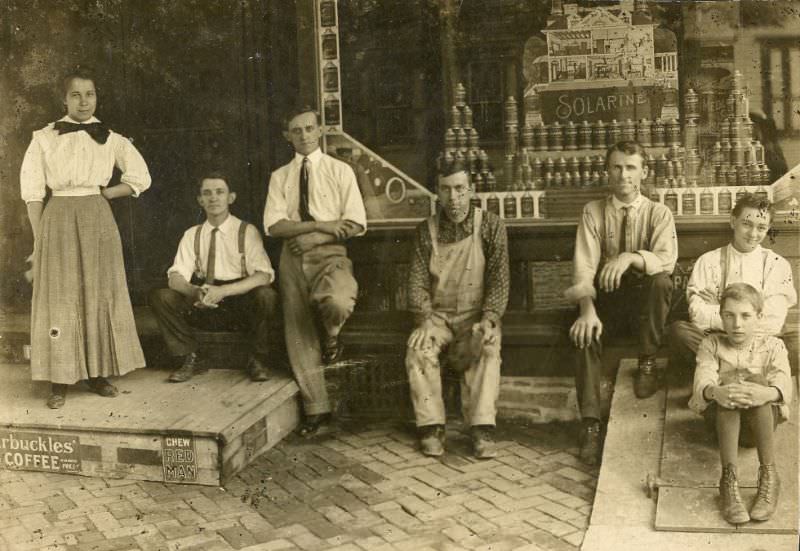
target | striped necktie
x=212, y=253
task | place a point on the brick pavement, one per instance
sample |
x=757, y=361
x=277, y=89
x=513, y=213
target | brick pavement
x=361, y=488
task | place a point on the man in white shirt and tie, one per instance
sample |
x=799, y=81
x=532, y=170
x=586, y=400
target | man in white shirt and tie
x=625, y=252
x=743, y=260
x=220, y=280
x=314, y=204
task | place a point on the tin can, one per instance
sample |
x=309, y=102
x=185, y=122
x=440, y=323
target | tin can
x=527, y=136
x=330, y=45
x=555, y=137
x=331, y=110
x=330, y=78
x=585, y=135
x=628, y=131
x=643, y=132
x=466, y=117
x=614, y=132
x=658, y=133
x=460, y=94
x=724, y=201
x=691, y=105
x=327, y=13
x=599, y=135
x=455, y=117
x=540, y=137
x=570, y=136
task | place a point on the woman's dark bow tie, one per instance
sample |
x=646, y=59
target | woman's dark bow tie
x=96, y=130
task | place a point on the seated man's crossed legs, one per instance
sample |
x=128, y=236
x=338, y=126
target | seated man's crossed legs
x=255, y=312
x=477, y=357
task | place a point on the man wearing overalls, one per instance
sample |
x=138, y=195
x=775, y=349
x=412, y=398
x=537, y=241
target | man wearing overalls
x=743, y=260
x=625, y=252
x=220, y=280
x=458, y=291
x=314, y=204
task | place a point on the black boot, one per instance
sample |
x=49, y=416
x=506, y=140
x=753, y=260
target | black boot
x=769, y=486
x=733, y=509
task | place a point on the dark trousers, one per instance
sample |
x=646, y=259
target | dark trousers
x=255, y=312
x=639, y=307
x=685, y=337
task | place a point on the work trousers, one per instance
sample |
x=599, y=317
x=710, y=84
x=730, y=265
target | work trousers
x=479, y=367
x=323, y=293
x=640, y=307
x=255, y=311
x=685, y=337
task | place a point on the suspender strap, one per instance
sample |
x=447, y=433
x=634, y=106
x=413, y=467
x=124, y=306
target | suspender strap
x=433, y=228
x=198, y=269
x=242, y=256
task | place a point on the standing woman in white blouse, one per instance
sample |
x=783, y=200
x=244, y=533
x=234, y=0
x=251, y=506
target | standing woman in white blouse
x=82, y=325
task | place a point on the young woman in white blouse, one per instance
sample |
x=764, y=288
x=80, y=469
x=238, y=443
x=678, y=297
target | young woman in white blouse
x=82, y=325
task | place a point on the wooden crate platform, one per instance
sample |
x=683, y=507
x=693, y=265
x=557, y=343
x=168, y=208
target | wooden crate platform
x=203, y=431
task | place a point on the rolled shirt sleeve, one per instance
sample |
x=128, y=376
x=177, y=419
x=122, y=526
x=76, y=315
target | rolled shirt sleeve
x=352, y=202
x=663, y=253
x=587, y=257
x=132, y=164
x=32, y=173
x=276, y=208
x=255, y=255
x=184, y=263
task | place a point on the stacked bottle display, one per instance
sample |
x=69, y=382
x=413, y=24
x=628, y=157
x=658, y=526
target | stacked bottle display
x=506, y=198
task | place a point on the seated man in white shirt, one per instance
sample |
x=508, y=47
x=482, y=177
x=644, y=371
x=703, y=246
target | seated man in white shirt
x=742, y=260
x=314, y=204
x=220, y=280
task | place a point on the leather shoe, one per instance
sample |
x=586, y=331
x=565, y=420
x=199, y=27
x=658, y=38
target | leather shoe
x=257, y=370
x=314, y=425
x=191, y=367
x=431, y=440
x=58, y=396
x=482, y=442
x=101, y=386
x=331, y=349
x=645, y=382
x=590, y=442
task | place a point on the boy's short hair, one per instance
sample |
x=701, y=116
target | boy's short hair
x=299, y=110
x=445, y=169
x=743, y=292
x=750, y=200
x=213, y=175
x=628, y=147
x=78, y=71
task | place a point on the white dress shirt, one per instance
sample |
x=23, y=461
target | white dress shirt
x=75, y=164
x=762, y=268
x=651, y=234
x=333, y=192
x=227, y=260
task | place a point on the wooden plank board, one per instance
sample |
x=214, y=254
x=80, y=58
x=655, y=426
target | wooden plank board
x=697, y=510
x=688, y=499
x=690, y=455
x=147, y=403
x=200, y=432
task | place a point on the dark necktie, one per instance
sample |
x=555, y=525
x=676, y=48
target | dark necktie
x=212, y=253
x=305, y=214
x=96, y=130
x=623, y=230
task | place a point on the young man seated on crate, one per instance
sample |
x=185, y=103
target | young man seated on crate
x=220, y=281
x=625, y=252
x=458, y=291
x=743, y=260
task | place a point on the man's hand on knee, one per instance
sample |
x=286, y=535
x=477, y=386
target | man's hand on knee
x=586, y=328
x=422, y=338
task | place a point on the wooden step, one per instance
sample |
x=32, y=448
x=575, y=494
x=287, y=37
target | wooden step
x=203, y=431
